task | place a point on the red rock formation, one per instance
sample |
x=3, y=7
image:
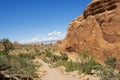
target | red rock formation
x=59, y=42
x=97, y=30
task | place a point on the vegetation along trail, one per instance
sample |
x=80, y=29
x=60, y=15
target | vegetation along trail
x=50, y=73
x=47, y=72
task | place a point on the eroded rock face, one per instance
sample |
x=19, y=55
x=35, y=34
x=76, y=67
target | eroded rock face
x=100, y=6
x=97, y=30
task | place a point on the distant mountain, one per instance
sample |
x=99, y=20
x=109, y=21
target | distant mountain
x=49, y=41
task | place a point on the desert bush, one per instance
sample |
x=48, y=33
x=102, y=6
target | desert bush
x=37, y=50
x=19, y=64
x=3, y=59
x=55, y=58
x=27, y=55
x=39, y=54
x=64, y=56
x=52, y=57
x=76, y=66
x=110, y=62
x=69, y=65
x=72, y=66
x=59, y=63
x=48, y=53
x=83, y=57
x=90, y=65
x=22, y=65
x=46, y=60
x=87, y=63
x=118, y=75
x=107, y=72
x=61, y=57
x=7, y=44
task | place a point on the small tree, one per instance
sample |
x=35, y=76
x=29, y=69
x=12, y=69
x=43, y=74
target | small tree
x=7, y=45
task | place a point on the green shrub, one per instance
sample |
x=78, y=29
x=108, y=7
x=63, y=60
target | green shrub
x=90, y=65
x=39, y=54
x=27, y=55
x=45, y=60
x=118, y=75
x=107, y=72
x=48, y=53
x=69, y=66
x=55, y=58
x=3, y=59
x=110, y=62
x=87, y=63
x=37, y=50
x=59, y=63
x=64, y=56
x=76, y=66
x=7, y=44
x=20, y=64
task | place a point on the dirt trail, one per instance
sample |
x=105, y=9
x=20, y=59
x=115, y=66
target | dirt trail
x=49, y=73
x=55, y=74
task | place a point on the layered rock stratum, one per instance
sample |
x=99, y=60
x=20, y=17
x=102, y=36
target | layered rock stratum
x=97, y=30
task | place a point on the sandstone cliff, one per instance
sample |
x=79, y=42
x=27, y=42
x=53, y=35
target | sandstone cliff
x=97, y=30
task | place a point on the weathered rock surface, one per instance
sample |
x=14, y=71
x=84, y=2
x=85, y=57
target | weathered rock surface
x=97, y=30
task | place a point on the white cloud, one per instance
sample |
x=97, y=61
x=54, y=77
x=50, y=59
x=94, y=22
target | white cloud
x=58, y=33
x=55, y=35
x=49, y=34
x=35, y=39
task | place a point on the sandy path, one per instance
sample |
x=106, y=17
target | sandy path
x=48, y=73
x=55, y=74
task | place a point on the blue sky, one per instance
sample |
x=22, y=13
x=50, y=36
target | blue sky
x=38, y=20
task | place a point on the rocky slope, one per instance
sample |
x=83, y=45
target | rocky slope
x=97, y=30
